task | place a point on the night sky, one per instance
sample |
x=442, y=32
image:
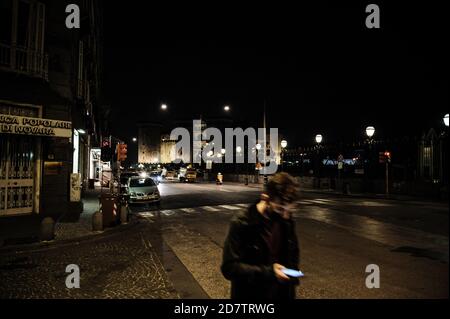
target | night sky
x=317, y=67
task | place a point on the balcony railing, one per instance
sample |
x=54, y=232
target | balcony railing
x=23, y=60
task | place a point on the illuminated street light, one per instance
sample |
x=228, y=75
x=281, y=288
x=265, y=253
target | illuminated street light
x=226, y=108
x=319, y=138
x=283, y=146
x=446, y=119
x=134, y=139
x=370, y=131
x=164, y=107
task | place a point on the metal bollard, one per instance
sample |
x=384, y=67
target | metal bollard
x=47, y=230
x=124, y=213
x=97, y=221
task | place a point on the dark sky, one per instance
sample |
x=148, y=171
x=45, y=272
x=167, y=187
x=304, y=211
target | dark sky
x=317, y=67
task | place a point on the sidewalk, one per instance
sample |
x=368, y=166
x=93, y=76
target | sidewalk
x=66, y=230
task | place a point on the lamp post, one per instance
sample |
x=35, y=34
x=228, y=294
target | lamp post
x=238, y=154
x=283, y=147
x=444, y=152
x=318, y=139
x=370, y=132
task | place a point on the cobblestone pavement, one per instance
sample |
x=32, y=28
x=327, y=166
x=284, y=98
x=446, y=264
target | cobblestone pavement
x=122, y=264
x=82, y=227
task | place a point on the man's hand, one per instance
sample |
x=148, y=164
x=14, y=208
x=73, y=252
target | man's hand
x=282, y=277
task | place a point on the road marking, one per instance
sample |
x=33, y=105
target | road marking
x=230, y=207
x=210, y=208
x=146, y=214
x=188, y=210
x=167, y=212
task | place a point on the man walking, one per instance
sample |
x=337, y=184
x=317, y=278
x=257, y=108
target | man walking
x=261, y=242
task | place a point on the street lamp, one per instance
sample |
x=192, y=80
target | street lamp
x=370, y=131
x=446, y=119
x=134, y=139
x=238, y=151
x=163, y=107
x=319, y=138
x=283, y=146
x=226, y=108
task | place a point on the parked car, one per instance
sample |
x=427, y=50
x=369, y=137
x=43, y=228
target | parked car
x=124, y=176
x=143, y=190
x=182, y=174
x=191, y=175
x=171, y=175
x=156, y=176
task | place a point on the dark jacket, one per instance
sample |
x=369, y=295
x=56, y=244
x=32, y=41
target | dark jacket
x=246, y=259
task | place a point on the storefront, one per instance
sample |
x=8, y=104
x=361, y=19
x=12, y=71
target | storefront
x=27, y=157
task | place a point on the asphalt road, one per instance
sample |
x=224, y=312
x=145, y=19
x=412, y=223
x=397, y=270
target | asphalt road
x=175, y=251
x=339, y=236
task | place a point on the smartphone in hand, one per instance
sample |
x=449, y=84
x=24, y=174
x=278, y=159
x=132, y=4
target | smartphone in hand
x=292, y=273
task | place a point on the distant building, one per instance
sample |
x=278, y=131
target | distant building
x=149, y=138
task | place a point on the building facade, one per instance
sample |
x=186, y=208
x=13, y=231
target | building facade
x=149, y=139
x=50, y=103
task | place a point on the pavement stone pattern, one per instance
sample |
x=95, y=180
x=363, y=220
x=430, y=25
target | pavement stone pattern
x=121, y=265
x=82, y=227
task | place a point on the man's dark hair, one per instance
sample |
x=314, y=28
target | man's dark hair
x=282, y=187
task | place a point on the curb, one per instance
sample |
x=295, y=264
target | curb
x=54, y=244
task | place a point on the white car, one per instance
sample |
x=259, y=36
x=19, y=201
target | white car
x=143, y=190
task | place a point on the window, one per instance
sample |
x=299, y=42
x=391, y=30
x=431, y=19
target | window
x=80, y=70
x=142, y=182
x=23, y=24
x=5, y=21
